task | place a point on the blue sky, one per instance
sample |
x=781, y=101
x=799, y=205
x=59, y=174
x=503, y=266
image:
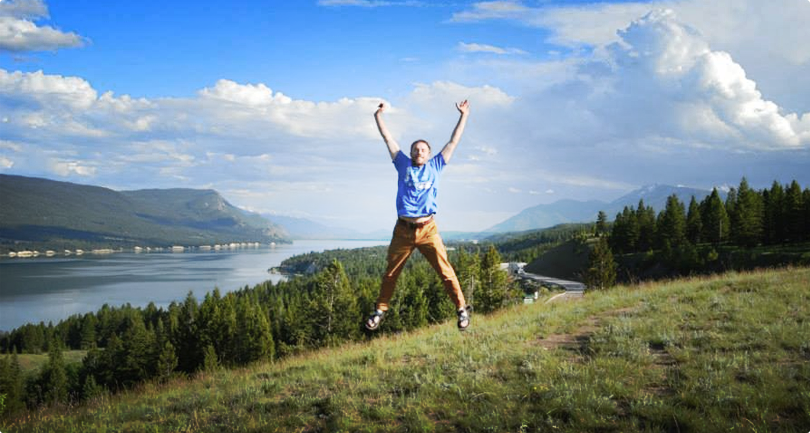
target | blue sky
x=271, y=103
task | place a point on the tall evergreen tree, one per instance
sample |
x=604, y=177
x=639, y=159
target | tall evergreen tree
x=806, y=201
x=335, y=306
x=137, y=357
x=601, y=223
x=254, y=339
x=716, y=225
x=494, y=290
x=54, y=377
x=186, y=336
x=773, y=216
x=166, y=361
x=694, y=223
x=746, y=222
x=12, y=385
x=625, y=233
x=88, y=332
x=671, y=224
x=645, y=218
x=601, y=272
x=468, y=271
x=794, y=212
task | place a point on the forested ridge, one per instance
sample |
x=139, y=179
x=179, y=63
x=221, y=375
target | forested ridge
x=751, y=228
x=47, y=214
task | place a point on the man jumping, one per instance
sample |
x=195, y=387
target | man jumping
x=417, y=187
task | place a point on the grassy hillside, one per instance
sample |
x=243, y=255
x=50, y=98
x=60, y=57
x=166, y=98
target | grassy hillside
x=33, y=363
x=42, y=213
x=565, y=261
x=700, y=355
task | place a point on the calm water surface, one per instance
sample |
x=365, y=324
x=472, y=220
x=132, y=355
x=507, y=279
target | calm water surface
x=54, y=288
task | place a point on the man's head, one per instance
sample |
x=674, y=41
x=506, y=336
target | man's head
x=420, y=152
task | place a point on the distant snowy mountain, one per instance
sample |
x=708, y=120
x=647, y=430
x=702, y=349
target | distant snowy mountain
x=572, y=211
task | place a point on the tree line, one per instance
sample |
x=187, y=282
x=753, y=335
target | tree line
x=688, y=238
x=127, y=345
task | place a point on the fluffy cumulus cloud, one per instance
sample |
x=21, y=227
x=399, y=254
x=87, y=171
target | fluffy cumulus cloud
x=231, y=136
x=19, y=32
x=655, y=80
x=662, y=66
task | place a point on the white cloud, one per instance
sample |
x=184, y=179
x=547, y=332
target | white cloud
x=23, y=8
x=67, y=168
x=493, y=10
x=39, y=90
x=670, y=64
x=18, y=33
x=5, y=163
x=10, y=145
x=484, y=48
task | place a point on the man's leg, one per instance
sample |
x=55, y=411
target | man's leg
x=401, y=247
x=431, y=246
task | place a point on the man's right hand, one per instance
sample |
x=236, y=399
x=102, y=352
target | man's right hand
x=380, y=109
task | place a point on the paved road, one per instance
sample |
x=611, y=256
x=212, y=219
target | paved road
x=572, y=288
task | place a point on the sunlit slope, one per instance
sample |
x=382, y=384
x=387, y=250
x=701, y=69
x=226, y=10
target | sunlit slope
x=701, y=355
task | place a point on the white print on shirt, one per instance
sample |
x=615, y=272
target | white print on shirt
x=419, y=183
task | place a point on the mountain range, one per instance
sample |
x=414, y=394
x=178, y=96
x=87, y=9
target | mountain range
x=36, y=212
x=572, y=211
x=39, y=212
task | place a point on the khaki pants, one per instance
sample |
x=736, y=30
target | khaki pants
x=429, y=243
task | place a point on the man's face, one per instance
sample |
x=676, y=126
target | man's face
x=420, y=153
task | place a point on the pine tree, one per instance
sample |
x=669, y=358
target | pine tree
x=716, y=224
x=210, y=362
x=694, y=223
x=601, y=224
x=746, y=222
x=336, y=310
x=494, y=289
x=794, y=212
x=186, y=338
x=166, y=361
x=254, y=339
x=806, y=201
x=137, y=353
x=88, y=332
x=91, y=389
x=645, y=219
x=11, y=385
x=671, y=224
x=468, y=271
x=53, y=377
x=601, y=272
x=773, y=217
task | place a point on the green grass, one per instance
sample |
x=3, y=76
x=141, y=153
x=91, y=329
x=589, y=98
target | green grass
x=33, y=363
x=726, y=353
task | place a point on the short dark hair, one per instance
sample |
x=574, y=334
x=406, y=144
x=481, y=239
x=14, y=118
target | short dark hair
x=420, y=141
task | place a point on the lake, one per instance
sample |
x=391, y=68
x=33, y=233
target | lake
x=54, y=288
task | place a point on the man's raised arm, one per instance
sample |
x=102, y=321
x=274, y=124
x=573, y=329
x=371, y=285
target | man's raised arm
x=463, y=108
x=393, y=146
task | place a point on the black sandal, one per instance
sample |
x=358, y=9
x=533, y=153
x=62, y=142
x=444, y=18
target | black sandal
x=374, y=320
x=464, y=317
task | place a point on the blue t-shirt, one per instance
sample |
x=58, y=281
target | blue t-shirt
x=417, y=187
